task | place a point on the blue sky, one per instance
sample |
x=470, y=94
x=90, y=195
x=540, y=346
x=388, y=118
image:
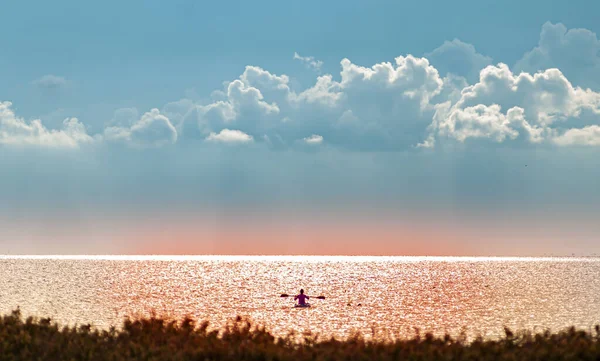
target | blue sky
x=146, y=53
x=456, y=110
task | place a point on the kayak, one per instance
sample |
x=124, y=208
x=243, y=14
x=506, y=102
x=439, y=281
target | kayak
x=306, y=305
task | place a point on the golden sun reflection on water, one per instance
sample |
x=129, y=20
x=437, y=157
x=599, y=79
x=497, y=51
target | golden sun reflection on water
x=396, y=294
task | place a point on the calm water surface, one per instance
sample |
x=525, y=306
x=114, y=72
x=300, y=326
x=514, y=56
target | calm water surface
x=475, y=295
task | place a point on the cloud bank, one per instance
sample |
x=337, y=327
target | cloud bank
x=451, y=95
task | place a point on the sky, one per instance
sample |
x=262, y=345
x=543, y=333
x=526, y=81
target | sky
x=315, y=128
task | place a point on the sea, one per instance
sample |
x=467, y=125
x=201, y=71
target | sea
x=372, y=296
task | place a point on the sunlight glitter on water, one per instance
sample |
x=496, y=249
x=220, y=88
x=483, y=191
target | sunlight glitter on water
x=396, y=294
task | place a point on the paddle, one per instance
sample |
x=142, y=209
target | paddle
x=318, y=297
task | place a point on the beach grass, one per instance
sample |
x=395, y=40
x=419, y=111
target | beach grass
x=154, y=338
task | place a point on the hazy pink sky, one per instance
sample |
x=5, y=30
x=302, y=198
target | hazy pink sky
x=301, y=233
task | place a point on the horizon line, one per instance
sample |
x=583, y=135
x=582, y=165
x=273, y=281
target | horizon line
x=296, y=258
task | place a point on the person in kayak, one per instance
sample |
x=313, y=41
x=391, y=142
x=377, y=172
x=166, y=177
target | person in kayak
x=301, y=298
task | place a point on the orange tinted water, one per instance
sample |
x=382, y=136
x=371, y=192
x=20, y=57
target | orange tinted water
x=477, y=295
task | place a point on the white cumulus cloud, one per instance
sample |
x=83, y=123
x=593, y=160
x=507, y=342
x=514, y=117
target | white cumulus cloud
x=503, y=105
x=587, y=136
x=314, y=139
x=385, y=106
x=15, y=131
x=576, y=52
x=230, y=136
x=153, y=129
x=458, y=58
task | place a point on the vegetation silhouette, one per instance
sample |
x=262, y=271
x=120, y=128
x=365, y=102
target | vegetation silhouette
x=159, y=339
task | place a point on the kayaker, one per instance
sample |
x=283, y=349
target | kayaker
x=301, y=298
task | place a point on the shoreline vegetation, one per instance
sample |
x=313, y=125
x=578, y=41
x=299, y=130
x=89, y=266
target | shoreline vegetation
x=153, y=338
